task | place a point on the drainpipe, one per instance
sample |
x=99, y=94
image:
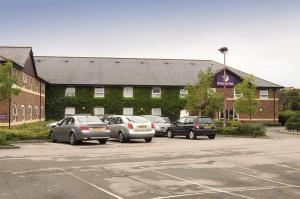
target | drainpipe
x=40, y=101
x=274, y=91
x=9, y=105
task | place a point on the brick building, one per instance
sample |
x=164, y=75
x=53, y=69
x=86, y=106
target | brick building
x=29, y=105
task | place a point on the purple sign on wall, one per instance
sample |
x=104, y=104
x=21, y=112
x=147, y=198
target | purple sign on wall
x=230, y=80
x=3, y=117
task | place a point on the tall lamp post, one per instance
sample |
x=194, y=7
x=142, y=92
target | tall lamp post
x=224, y=50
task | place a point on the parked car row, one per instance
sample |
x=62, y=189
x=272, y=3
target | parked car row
x=78, y=128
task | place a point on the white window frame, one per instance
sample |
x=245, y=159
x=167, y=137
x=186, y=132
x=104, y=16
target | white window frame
x=24, y=80
x=30, y=112
x=70, y=92
x=264, y=95
x=23, y=111
x=99, y=111
x=37, y=111
x=128, y=111
x=237, y=95
x=128, y=91
x=99, y=92
x=183, y=92
x=70, y=110
x=156, y=111
x=156, y=94
x=14, y=112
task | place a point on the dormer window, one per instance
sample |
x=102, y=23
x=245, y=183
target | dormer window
x=156, y=92
x=70, y=92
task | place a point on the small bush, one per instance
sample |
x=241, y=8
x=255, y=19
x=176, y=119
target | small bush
x=284, y=116
x=3, y=139
x=293, y=122
x=253, y=130
x=218, y=123
x=233, y=123
x=35, y=131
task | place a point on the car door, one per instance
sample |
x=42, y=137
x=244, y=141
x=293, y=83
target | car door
x=67, y=128
x=113, y=127
x=178, y=127
x=58, y=130
x=64, y=130
x=188, y=125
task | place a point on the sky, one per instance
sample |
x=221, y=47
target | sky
x=263, y=36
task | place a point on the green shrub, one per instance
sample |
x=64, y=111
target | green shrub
x=253, y=130
x=218, y=123
x=233, y=123
x=3, y=139
x=284, y=116
x=293, y=122
x=34, y=131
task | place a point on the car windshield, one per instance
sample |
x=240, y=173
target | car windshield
x=205, y=120
x=155, y=119
x=89, y=120
x=136, y=119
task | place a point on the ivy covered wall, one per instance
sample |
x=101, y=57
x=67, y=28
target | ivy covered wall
x=113, y=102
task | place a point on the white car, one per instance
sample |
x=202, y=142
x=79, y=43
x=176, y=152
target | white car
x=131, y=127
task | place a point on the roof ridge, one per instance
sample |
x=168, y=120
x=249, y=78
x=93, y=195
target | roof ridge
x=15, y=46
x=138, y=58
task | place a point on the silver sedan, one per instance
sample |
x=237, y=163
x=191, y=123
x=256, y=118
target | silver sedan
x=76, y=129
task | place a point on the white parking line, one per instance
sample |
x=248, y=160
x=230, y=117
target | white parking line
x=283, y=165
x=261, y=178
x=93, y=185
x=209, y=192
x=204, y=186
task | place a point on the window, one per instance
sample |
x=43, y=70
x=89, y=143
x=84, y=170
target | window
x=30, y=112
x=181, y=120
x=237, y=94
x=183, y=93
x=213, y=90
x=184, y=113
x=23, y=112
x=156, y=111
x=99, y=111
x=127, y=111
x=99, y=92
x=231, y=114
x=156, y=92
x=14, y=112
x=70, y=92
x=263, y=94
x=37, y=111
x=189, y=121
x=24, y=80
x=128, y=92
x=69, y=111
x=30, y=85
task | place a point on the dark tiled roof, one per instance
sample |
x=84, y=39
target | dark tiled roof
x=127, y=71
x=18, y=55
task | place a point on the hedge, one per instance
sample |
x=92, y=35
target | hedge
x=284, y=116
x=293, y=122
x=253, y=130
x=35, y=131
x=113, y=102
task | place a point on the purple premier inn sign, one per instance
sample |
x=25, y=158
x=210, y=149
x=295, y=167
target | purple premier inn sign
x=230, y=80
x=3, y=117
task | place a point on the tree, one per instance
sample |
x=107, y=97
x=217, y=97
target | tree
x=289, y=99
x=247, y=103
x=201, y=98
x=7, y=81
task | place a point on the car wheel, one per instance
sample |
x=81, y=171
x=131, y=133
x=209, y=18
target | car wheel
x=148, y=139
x=72, y=139
x=122, y=137
x=52, y=139
x=103, y=141
x=170, y=134
x=211, y=137
x=192, y=135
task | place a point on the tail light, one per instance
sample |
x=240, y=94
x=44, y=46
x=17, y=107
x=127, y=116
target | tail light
x=130, y=126
x=153, y=125
x=197, y=126
x=84, y=129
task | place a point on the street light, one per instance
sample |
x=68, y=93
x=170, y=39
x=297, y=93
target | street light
x=224, y=50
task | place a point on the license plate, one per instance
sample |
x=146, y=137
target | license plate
x=142, y=126
x=97, y=129
x=207, y=126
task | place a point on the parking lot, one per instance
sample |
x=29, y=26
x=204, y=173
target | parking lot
x=225, y=167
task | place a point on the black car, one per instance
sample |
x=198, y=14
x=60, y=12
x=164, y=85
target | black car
x=193, y=126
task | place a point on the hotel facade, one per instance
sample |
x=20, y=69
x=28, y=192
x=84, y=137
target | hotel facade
x=99, y=86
